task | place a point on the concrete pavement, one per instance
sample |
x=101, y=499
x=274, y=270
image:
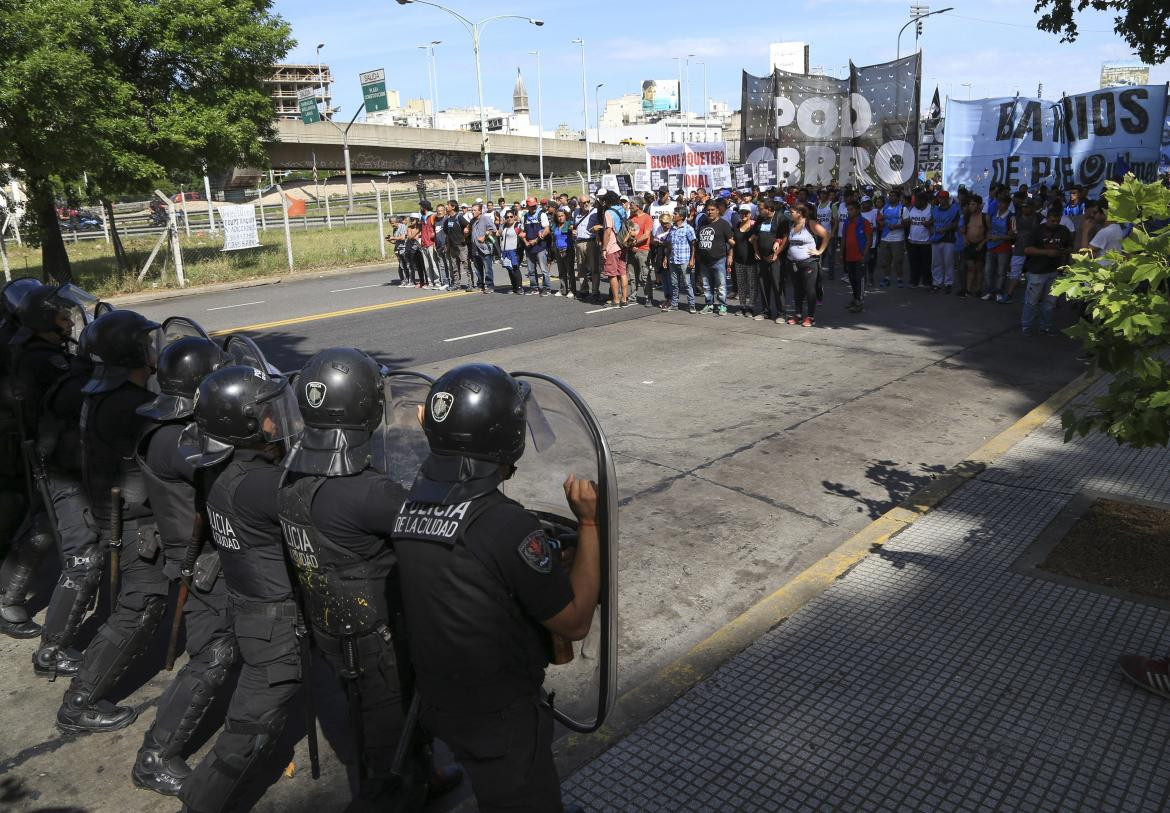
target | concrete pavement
x=745, y=450
x=939, y=674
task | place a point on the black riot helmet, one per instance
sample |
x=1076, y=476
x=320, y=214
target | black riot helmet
x=477, y=411
x=15, y=291
x=181, y=366
x=341, y=400
x=474, y=419
x=40, y=309
x=118, y=341
x=238, y=406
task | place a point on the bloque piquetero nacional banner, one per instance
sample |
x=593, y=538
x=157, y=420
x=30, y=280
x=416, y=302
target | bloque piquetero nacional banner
x=861, y=130
x=1084, y=139
x=691, y=165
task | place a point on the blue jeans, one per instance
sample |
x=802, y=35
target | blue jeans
x=677, y=277
x=715, y=281
x=538, y=269
x=1038, y=295
x=483, y=270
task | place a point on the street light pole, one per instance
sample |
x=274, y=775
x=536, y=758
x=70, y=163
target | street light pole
x=432, y=79
x=539, y=119
x=689, y=108
x=917, y=17
x=473, y=28
x=968, y=86
x=597, y=110
x=321, y=79
x=706, y=103
x=585, y=108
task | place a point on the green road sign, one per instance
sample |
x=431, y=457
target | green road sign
x=308, y=103
x=374, y=90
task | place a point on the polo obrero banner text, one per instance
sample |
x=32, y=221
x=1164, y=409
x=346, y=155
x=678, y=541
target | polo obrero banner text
x=861, y=130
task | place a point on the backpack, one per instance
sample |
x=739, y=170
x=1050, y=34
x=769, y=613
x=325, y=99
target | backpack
x=626, y=237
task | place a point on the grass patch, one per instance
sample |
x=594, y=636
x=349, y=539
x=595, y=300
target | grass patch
x=204, y=263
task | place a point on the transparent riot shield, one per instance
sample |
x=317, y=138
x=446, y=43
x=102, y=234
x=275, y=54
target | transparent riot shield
x=100, y=308
x=179, y=327
x=245, y=351
x=81, y=305
x=401, y=445
x=565, y=438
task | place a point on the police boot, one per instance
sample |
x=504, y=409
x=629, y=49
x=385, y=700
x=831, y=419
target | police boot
x=81, y=713
x=14, y=618
x=15, y=622
x=156, y=770
x=53, y=662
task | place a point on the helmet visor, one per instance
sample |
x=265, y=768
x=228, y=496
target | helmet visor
x=400, y=446
x=277, y=413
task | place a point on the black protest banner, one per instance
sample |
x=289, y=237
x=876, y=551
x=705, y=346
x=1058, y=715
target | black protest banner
x=861, y=130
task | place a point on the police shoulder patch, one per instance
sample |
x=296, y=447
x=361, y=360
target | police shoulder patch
x=534, y=550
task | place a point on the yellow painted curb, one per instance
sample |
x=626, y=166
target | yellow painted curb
x=672, y=681
x=316, y=317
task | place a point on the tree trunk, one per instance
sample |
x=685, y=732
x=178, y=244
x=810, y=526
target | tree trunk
x=54, y=257
x=119, y=252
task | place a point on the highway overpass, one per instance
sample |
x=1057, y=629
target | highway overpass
x=381, y=148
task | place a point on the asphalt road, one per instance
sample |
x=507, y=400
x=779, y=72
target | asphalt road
x=745, y=451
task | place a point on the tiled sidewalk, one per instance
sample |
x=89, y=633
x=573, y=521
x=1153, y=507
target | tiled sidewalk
x=932, y=677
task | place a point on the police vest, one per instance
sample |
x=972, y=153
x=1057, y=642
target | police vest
x=173, y=501
x=340, y=596
x=104, y=465
x=251, y=556
x=489, y=653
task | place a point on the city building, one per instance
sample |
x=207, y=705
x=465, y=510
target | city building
x=1123, y=74
x=623, y=110
x=788, y=56
x=287, y=81
x=566, y=133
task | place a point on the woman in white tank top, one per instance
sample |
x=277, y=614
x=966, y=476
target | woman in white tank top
x=807, y=240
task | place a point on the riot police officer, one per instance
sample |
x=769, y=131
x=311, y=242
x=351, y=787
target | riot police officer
x=38, y=356
x=333, y=507
x=170, y=485
x=482, y=589
x=12, y=481
x=243, y=416
x=124, y=343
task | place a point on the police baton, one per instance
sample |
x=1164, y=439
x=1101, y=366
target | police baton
x=185, y=575
x=115, y=543
x=408, y=727
x=36, y=467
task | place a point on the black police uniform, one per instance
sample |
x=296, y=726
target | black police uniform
x=36, y=364
x=478, y=577
x=210, y=643
x=110, y=429
x=59, y=444
x=337, y=531
x=244, y=526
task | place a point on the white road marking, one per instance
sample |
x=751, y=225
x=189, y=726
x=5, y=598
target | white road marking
x=356, y=288
x=599, y=310
x=473, y=335
x=241, y=305
x=648, y=382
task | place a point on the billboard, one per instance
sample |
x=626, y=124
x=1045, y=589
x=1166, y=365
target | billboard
x=788, y=56
x=1124, y=74
x=1084, y=139
x=660, y=96
x=861, y=130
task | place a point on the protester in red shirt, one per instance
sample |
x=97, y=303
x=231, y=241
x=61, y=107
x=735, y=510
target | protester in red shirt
x=858, y=234
x=637, y=259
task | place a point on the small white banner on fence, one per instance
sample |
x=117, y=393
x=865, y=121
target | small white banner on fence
x=239, y=226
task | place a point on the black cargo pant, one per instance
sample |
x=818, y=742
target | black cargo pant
x=269, y=681
x=213, y=652
x=81, y=563
x=507, y=754
x=128, y=629
x=377, y=694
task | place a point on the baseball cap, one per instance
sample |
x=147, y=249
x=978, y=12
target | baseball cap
x=724, y=193
x=530, y=201
x=479, y=200
x=944, y=194
x=745, y=207
x=544, y=201
x=866, y=199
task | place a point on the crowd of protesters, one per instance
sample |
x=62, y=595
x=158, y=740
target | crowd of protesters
x=772, y=251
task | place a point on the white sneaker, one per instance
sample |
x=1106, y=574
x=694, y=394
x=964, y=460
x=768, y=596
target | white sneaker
x=558, y=293
x=570, y=295
x=444, y=287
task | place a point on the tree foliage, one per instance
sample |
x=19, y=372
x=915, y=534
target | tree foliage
x=1143, y=24
x=1127, y=324
x=130, y=92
